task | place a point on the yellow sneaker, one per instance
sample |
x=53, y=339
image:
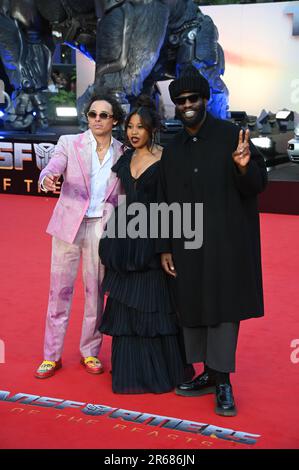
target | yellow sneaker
x=47, y=369
x=92, y=365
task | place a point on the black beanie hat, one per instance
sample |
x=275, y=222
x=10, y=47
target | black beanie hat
x=190, y=80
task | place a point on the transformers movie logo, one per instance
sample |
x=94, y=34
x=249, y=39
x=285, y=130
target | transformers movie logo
x=147, y=419
x=13, y=155
x=20, y=166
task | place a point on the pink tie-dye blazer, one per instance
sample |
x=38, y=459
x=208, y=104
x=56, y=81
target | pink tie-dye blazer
x=72, y=159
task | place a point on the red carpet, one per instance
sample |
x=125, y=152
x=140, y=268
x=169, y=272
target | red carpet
x=266, y=384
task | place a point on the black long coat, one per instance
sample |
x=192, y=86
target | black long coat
x=222, y=280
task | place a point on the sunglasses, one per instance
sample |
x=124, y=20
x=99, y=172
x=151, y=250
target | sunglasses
x=191, y=98
x=102, y=115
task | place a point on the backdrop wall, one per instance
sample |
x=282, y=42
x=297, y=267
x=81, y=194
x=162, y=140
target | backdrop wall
x=261, y=47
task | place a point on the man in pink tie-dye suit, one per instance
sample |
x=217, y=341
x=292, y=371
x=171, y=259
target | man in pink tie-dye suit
x=89, y=191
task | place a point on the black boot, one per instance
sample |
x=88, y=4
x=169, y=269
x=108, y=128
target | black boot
x=225, y=403
x=203, y=384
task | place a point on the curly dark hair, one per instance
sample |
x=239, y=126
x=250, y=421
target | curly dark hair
x=150, y=119
x=117, y=110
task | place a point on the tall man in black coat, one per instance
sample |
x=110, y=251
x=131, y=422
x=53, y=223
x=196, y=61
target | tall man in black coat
x=213, y=162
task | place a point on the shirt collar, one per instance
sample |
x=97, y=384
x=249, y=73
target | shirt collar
x=93, y=140
x=204, y=130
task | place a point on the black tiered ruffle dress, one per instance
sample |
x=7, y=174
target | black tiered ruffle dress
x=139, y=314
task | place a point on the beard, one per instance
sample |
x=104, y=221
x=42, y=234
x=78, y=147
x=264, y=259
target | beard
x=200, y=112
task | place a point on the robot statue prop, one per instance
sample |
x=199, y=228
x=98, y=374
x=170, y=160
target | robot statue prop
x=26, y=48
x=135, y=43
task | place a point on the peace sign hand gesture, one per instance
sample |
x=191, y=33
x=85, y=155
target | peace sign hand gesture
x=241, y=155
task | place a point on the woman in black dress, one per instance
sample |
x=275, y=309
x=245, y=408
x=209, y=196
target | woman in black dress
x=138, y=314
